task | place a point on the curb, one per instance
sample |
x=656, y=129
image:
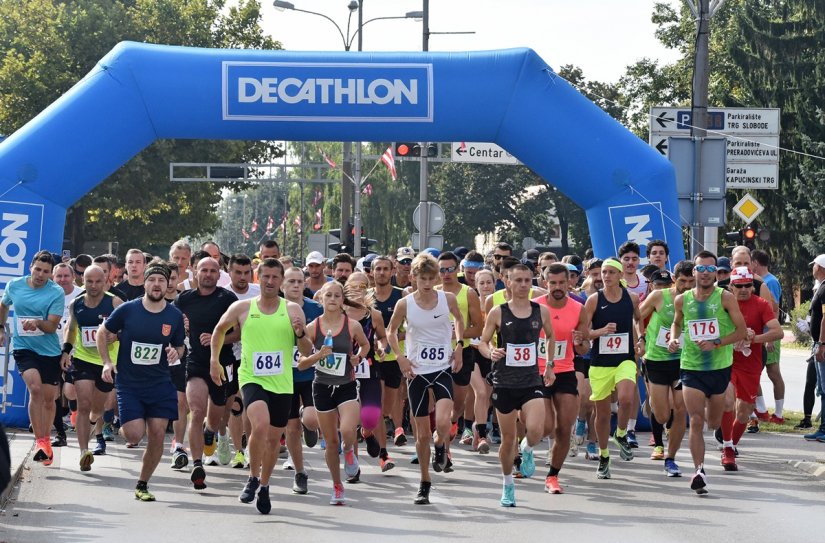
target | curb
x=17, y=472
x=816, y=469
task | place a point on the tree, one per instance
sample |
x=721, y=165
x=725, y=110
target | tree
x=49, y=45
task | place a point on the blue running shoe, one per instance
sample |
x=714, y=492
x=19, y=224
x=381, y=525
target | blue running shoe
x=581, y=428
x=672, y=469
x=528, y=461
x=816, y=436
x=508, y=495
x=592, y=452
x=631, y=439
x=100, y=447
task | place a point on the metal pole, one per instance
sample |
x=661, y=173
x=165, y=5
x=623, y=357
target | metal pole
x=356, y=194
x=424, y=214
x=301, y=236
x=699, y=112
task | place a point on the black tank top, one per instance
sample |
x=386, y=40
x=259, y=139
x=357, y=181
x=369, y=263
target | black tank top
x=621, y=313
x=369, y=331
x=516, y=331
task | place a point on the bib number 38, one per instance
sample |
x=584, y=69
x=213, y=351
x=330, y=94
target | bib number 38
x=521, y=355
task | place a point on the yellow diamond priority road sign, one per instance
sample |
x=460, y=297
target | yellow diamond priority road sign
x=748, y=208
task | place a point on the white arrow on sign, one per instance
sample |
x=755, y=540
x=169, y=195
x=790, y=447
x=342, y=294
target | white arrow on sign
x=481, y=153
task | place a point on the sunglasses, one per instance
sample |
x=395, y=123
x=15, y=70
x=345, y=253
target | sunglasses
x=497, y=257
x=743, y=285
x=450, y=269
x=406, y=261
x=701, y=268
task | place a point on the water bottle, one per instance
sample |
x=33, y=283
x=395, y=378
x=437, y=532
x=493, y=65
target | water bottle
x=328, y=343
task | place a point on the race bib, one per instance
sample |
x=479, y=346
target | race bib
x=663, y=338
x=296, y=354
x=265, y=364
x=521, y=354
x=703, y=329
x=560, y=350
x=26, y=333
x=337, y=367
x=88, y=336
x=146, y=354
x=614, y=344
x=433, y=355
x=229, y=372
x=543, y=348
x=362, y=370
x=475, y=341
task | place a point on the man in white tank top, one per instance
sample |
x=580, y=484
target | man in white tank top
x=427, y=362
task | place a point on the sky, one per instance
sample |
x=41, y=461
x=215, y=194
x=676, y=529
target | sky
x=600, y=36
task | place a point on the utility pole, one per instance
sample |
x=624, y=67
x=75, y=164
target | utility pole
x=356, y=194
x=423, y=196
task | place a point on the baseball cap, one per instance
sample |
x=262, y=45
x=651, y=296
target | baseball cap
x=723, y=263
x=572, y=268
x=359, y=265
x=741, y=275
x=661, y=276
x=432, y=252
x=461, y=252
x=368, y=261
x=405, y=253
x=820, y=259
x=531, y=254
x=529, y=263
x=315, y=258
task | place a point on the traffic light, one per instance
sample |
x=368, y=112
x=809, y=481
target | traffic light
x=749, y=237
x=337, y=245
x=413, y=149
x=735, y=237
x=366, y=243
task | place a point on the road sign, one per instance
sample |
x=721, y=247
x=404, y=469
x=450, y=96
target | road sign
x=436, y=242
x=710, y=192
x=751, y=149
x=745, y=175
x=436, y=216
x=748, y=208
x=481, y=153
x=730, y=121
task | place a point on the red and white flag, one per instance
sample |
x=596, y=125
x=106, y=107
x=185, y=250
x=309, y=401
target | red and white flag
x=367, y=189
x=244, y=233
x=270, y=223
x=319, y=196
x=283, y=222
x=328, y=160
x=389, y=162
x=254, y=227
x=318, y=220
x=298, y=223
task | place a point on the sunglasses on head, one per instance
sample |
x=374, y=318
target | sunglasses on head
x=701, y=268
x=449, y=269
x=743, y=285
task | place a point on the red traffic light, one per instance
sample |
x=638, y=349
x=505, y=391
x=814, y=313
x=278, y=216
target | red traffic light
x=402, y=149
x=749, y=233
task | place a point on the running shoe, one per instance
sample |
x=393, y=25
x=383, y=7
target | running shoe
x=528, y=460
x=100, y=447
x=224, y=452
x=400, y=437
x=49, y=453
x=40, y=453
x=729, y=459
x=310, y=436
x=753, y=426
x=483, y=446
x=59, y=440
x=776, y=420
x=603, y=471
x=299, y=485
x=373, y=447
x=144, y=495
x=804, y=424
x=699, y=482
x=551, y=485
x=625, y=452
x=423, y=495
x=592, y=452
x=448, y=467
x=508, y=495
x=495, y=436
x=414, y=459
x=86, y=461
x=238, y=460
x=73, y=420
x=439, y=458
x=208, y=442
x=572, y=452
x=210, y=460
x=338, y=497
x=355, y=478
x=453, y=430
x=263, y=504
x=198, y=478
x=658, y=453
x=351, y=463
x=581, y=429
x=173, y=446
x=288, y=465
x=386, y=464
x=466, y=437
x=671, y=468
x=717, y=435
x=631, y=439
x=249, y=489
x=762, y=415
x=179, y=458
x=108, y=431
x=815, y=436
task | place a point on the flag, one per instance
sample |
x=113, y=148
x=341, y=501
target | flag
x=254, y=227
x=318, y=220
x=283, y=222
x=368, y=189
x=327, y=159
x=270, y=222
x=244, y=233
x=319, y=196
x=389, y=162
x=298, y=223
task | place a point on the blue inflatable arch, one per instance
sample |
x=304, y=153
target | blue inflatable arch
x=139, y=93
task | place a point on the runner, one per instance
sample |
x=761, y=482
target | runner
x=501, y=251
x=303, y=418
x=472, y=263
x=426, y=362
x=180, y=253
x=657, y=253
x=636, y=283
x=177, y=371
x=342, y=266
x=403, y=261
x=334, y=389
x=662, y=366
x=517, y=385
x=586, y=419
x=608, y=320
x=269, y=328
x=760, y=265
x=132, y=288
x=747, y=363
x=86, y=312
x=710, y=318
x=482, y=389
x=203, y=308
x=214, y=251
x=562, y=397
x=151, y=334
x=63, y=276
x=315, y=270
x=38, y=307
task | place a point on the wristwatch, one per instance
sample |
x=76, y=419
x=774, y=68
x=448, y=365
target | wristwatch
x=717, y=342
x=460, y=342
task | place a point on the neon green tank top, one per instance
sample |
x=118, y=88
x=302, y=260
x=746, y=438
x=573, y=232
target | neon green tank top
x=704, y=320
x=658, y=331
x=463, y=307
x=266, y=349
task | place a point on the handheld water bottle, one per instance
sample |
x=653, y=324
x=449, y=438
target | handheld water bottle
x=328, y=343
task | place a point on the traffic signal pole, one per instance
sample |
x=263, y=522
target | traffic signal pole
x=423, y=195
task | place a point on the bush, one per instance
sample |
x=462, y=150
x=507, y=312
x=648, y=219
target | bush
x=801, y=312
